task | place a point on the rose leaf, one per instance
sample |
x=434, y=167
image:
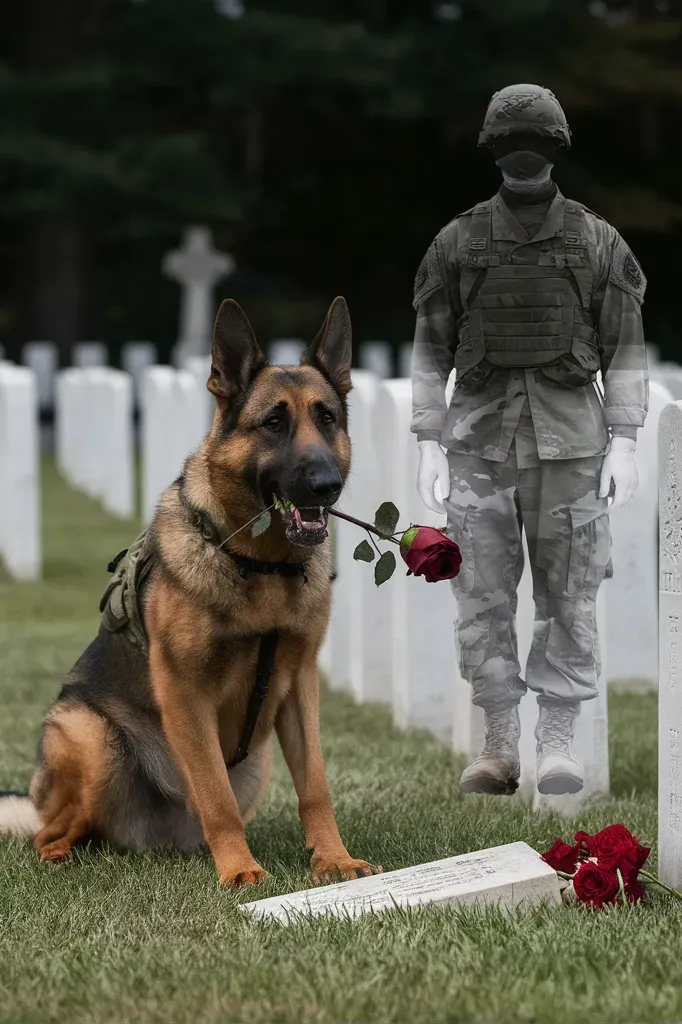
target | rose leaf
x=261, y=524
x=386, y=518
x=364, y=552
x=384, y=568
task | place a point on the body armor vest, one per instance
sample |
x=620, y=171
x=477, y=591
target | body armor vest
x=526, y=304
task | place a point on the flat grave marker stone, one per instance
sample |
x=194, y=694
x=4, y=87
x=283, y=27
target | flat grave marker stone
x=507, y=876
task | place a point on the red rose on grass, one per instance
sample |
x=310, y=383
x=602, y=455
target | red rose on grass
x=595, y=886
x=429, y=553
x=615, y=847
x=562, y=857
x=634, y=890
x=585, y=844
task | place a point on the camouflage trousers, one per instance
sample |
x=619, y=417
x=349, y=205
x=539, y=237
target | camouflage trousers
x=569, y=545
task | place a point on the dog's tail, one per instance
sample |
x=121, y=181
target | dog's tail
x=18, y=816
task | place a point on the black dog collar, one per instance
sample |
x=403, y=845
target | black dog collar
x=245, y=565
x=250, y=565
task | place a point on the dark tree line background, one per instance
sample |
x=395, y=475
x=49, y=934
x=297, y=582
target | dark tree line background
x=323, y=141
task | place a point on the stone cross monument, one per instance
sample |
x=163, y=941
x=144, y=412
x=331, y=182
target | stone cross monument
x=197, y=266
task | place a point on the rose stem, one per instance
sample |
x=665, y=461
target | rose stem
x=374, y=543
x=359, y=522
x=668, y=888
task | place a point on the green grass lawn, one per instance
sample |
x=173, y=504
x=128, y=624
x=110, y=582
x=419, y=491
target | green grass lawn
x=118, y=937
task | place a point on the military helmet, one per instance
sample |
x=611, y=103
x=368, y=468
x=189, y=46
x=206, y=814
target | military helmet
x=523, y=109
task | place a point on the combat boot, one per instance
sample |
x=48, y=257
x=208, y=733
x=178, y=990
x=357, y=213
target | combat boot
x=558, y=771
x=497, y=767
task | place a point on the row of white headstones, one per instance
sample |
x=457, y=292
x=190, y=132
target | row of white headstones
x=137, y=356
x=391, y=645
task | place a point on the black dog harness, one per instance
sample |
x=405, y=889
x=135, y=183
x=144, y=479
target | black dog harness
x=268, y=644
x=121, y=605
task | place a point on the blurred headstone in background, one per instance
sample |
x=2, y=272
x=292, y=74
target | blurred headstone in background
x=197, y=267
x=20, y=505
x=43, y=358
x=285, y=351
x=136, y=356
x=670, y=376
x=405, y=359
x=377, y=357
x=200, y=368
x=87, y=354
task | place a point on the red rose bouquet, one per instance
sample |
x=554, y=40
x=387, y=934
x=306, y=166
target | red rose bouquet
x=604, y=868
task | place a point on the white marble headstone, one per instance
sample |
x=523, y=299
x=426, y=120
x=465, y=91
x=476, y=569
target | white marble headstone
x=118, y=484
x=136, y=356
x=632, y=614
x=200, y=369
x=670, y=657
x=369, y=638
x=43, y=358
x=425, y=672
x=670, y=376
x=172, y=428
x=20, y=512
x=66, y=423
x=87, y=354
x=507, y=876
x=285, y=351
x=376, y=356
x=346, y=623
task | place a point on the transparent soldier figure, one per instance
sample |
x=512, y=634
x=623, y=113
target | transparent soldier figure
x=528, y=295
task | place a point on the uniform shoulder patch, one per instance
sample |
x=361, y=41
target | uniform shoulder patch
x=432, y=272
x=625, y=271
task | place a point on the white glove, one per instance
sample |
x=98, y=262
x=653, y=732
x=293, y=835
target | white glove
x=433, y=468
x=619, y=465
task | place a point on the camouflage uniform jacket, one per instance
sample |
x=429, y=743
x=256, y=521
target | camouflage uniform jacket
x=569, y=422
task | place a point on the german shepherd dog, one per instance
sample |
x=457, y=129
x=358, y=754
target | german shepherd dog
x=139, y=748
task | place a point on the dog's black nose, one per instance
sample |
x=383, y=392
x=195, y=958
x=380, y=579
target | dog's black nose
x=325, y=484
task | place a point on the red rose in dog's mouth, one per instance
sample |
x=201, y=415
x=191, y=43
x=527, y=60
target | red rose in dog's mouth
x=304, y=527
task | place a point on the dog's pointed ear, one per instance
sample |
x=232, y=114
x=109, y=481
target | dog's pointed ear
x=331, y=351
x=235, y=355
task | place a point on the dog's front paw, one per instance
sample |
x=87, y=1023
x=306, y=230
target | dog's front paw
x=244, y=874
x=341, y=869
x=57, y=851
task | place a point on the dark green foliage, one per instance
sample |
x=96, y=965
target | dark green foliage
x=324, y=143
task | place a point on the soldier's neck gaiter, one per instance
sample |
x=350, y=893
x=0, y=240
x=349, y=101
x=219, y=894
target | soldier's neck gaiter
x=542, y=197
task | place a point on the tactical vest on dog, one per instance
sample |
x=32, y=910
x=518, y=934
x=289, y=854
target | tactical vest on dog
x=121, y=605
x=121, y=608
x=526, y=304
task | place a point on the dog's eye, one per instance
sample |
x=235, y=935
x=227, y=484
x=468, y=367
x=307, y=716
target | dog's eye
x=273, y=423
x=327, y=416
